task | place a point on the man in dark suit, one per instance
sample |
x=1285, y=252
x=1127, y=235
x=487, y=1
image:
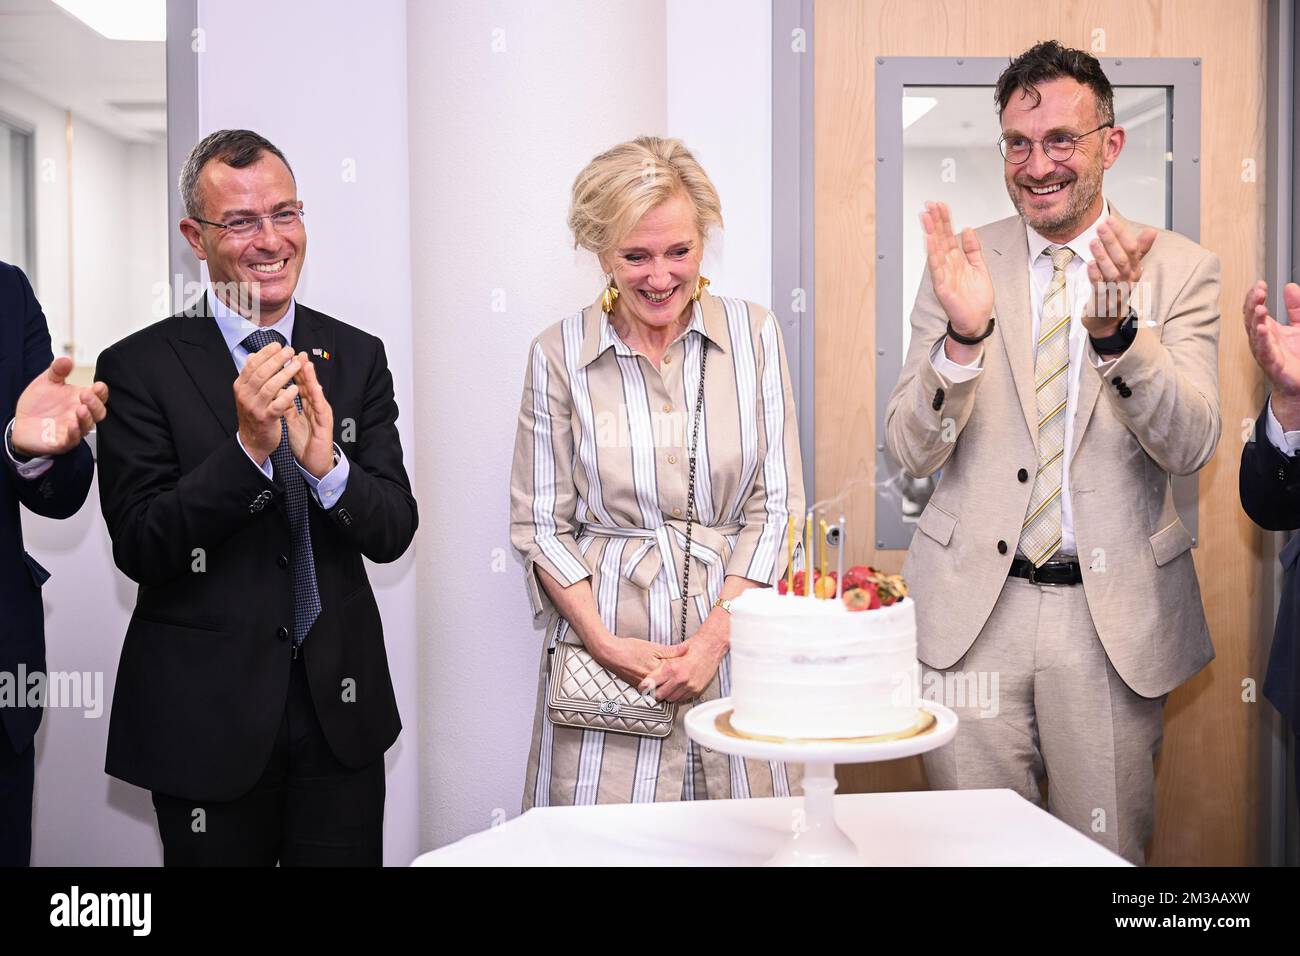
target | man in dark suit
x=253, y=463
x=1270, y=482
x=47, y=467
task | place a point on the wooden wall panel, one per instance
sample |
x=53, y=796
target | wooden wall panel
x=1209, y=809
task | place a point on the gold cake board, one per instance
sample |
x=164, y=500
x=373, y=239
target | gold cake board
x=925, y=722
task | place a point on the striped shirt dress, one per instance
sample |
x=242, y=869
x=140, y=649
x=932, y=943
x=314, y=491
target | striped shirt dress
x=598, y=490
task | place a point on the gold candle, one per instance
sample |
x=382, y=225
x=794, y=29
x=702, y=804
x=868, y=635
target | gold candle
x=822, y=546
x=839, y=561
x=789, y=567
x=808, y=557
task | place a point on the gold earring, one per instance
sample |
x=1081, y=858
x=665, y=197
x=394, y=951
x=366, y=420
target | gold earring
x=609, y=296
x=701, y=284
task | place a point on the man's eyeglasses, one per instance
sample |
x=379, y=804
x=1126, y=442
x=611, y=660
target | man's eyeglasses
x=1057, y=147
x=285, y=220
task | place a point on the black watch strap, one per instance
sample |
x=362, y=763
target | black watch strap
x=1120, y=341
x=966, y=339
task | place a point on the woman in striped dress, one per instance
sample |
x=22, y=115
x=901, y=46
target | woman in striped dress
x=601, y=470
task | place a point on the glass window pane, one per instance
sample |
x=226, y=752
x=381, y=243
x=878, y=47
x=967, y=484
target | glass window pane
x=950, y=154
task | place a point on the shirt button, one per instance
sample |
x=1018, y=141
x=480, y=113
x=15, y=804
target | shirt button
x=1002, y=547
x=282, y=633
x=1022, y=475
x=668, y=360
x=677, y=512
x=282, y=561
x=672, y=459
x=667, y=407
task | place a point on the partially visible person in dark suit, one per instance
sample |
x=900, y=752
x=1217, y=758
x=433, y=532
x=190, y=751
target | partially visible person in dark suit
x=1270, y=481
x=47, y=467
x=251, y=464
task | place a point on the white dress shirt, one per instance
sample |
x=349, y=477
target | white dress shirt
x=1288, y=443
x=1079, y=290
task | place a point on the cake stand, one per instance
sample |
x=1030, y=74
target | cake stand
x=817, y=839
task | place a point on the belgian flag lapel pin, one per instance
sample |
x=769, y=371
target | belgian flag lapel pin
x=322, y=354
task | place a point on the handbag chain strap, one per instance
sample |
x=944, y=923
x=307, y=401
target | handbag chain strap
x=690, y=485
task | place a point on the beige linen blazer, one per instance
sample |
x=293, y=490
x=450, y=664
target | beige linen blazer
x=1152, y=413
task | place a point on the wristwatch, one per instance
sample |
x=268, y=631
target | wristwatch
x=723, y=603
x=1121, y=340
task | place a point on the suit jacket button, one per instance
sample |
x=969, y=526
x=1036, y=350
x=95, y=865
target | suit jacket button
x=1125, y=391
x=1002, y=547
x=1117, y=380
x=1281, y=472
x=282, y=561
x=282, y=633
x=938, y=400
x=1022, y=476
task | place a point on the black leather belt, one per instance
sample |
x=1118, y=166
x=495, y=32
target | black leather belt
x=1053, y=572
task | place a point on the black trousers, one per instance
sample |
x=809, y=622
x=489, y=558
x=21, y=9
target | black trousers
x=17, y=775
x=306, y=810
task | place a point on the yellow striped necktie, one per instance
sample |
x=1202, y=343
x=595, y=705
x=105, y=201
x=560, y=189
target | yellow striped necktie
x=1040, y=537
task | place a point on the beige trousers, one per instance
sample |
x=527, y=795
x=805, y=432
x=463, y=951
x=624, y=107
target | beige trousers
x=1037, y=696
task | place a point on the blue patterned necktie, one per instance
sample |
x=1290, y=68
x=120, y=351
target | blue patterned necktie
x=306, y=598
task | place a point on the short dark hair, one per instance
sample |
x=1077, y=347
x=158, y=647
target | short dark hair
x=234, y=147
x=1049, y=61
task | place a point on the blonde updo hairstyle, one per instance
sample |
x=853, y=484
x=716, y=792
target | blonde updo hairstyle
x=622, y=184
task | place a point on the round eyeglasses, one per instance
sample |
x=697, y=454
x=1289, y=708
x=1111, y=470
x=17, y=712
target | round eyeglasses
x=1058, y=147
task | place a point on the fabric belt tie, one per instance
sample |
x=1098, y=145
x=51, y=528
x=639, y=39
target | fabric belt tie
x=665, y=547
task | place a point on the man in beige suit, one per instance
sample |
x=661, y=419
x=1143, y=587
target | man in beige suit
x=1063, y=364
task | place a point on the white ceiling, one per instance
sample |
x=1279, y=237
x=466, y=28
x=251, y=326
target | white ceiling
x=118, y=84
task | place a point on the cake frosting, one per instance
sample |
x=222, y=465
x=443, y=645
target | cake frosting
x=803, y=667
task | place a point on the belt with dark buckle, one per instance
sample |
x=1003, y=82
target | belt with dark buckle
x=1053, y=573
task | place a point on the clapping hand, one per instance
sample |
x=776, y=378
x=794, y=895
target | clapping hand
x=1276, y=348
x=262, y=398
x=957, y=271
x=52, y=415
x=311, y=431
x=1115, y=269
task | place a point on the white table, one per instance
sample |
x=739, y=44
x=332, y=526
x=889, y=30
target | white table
x=923, y=828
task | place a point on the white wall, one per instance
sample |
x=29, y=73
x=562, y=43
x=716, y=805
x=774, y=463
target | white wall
x=119, y=205
x=508, y=102
x=119, y=191
x=50, y=279
x=719, y=83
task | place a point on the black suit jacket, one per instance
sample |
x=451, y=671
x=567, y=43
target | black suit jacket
x=24, y=354
x=1270, y=493
x=204, y=672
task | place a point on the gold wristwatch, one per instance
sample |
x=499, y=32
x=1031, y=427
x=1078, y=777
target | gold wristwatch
x=723, y=603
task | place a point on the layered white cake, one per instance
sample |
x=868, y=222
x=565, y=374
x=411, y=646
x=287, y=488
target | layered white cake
x=808, y=668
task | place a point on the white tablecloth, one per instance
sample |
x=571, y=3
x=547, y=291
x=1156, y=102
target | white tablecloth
x=925, y=828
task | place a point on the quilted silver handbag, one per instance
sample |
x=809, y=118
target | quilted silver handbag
x=583, y=694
